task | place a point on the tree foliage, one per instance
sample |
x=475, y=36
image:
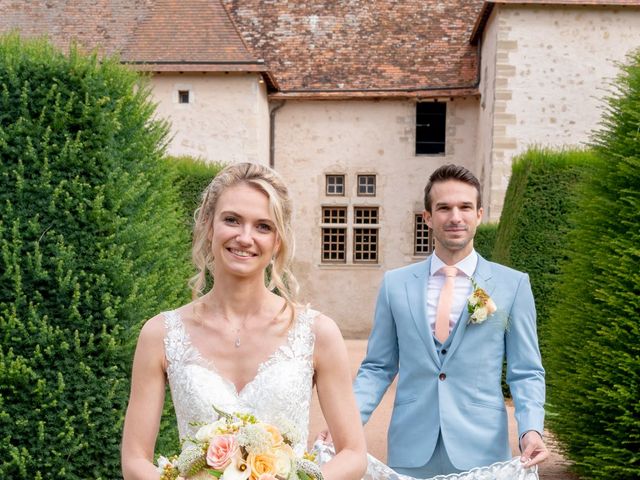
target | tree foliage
x=90, y=245
x=535, y=221
x=594, y=329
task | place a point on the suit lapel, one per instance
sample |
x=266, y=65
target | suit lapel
x=482, y=277
x=416, y=287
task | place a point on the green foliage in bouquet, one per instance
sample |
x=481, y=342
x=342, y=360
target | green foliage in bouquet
x=90, y=245
x=535, y=220
x=593, y=359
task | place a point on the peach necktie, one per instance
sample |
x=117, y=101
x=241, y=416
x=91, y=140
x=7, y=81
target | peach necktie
x=445, y=301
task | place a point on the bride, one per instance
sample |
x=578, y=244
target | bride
x=240, y=346
x=243, y=347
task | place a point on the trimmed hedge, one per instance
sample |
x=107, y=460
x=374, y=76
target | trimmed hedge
x=535, y=220
x=191, y=177
x=485, y=239
x=593, y=358
x=90, y=246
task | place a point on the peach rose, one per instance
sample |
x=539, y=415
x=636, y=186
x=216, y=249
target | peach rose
x=221, y=450
x=275, y=434
x=261, y=464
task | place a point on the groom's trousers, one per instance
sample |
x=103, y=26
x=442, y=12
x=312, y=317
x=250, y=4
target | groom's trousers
x=439, y=464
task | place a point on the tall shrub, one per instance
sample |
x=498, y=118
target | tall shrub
x=535, y=220
x=485, y=239
x=594, y=330
x=191, y=177
x=90, y=245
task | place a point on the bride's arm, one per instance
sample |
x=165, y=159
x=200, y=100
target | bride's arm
x=333, y=383
x=142, y=421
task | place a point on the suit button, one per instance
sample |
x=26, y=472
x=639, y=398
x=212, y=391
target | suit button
x=442, y=376
x=444, y=350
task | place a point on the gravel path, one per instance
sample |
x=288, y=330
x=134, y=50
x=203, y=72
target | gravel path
x=555, y=468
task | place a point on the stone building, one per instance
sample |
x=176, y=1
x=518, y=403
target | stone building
x=356, y=102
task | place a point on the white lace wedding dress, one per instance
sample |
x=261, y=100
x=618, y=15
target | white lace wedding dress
x=279, y=394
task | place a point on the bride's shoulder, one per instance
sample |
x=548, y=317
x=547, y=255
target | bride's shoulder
x=324, y=327
x=155, y=328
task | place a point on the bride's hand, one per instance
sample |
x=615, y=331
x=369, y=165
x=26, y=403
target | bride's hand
x=534, y=451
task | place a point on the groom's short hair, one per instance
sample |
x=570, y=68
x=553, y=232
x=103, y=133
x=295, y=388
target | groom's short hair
x=451, y=172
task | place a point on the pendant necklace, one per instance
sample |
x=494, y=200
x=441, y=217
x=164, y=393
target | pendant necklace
x=236, y=331
x=237, y=342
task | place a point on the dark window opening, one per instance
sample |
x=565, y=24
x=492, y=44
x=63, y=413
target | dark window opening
x=430, y=127
x=183, y=96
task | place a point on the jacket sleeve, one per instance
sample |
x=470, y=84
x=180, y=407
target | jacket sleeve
x=380, y=365
x=525, y=374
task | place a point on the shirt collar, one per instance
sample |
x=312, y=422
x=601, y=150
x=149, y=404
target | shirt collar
x=467, y=265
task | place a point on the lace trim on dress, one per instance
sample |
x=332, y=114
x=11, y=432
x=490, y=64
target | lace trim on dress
x=280, y=391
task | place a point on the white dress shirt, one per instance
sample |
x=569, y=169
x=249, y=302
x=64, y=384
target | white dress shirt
x=461, y=290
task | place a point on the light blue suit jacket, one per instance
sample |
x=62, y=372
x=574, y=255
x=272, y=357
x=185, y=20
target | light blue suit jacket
x=461, y=396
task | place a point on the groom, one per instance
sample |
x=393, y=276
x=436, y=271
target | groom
x=449, y=413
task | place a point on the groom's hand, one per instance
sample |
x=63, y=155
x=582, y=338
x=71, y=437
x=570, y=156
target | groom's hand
x=534, y=450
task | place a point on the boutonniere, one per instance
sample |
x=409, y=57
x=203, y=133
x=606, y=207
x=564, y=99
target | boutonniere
x=479, y=304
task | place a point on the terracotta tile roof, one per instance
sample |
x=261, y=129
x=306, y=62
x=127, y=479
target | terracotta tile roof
x=192, y=32
x=487, y=7
x=103, y=24
x=363, y=47
x=171, y=34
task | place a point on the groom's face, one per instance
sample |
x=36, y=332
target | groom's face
x=454, y=218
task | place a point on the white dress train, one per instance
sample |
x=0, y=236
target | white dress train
x=377, y=470
x=280, y=394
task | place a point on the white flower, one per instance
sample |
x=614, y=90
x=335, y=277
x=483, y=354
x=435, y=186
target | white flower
x=473, y=300
x=479, y=305
x=284, y=456
x=289, y=431
x=238, y=469
x=163, y=462
x=255, y=439
x=207, y=432
x=480, y=314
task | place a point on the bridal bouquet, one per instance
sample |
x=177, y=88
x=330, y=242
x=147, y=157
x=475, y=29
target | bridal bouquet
x=238, y=447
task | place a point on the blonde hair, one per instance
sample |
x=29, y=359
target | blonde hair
x=268, y=182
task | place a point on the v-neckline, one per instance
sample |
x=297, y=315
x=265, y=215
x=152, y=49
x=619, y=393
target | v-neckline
x=211, y=367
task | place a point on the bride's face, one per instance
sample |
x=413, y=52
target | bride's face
x=244, y=237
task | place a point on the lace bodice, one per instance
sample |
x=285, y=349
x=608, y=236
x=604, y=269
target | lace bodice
x=279, y=394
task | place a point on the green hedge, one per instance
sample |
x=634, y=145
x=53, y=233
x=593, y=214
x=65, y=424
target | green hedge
x=535, y=221
x=593, y=357
x=191, y=177
x=485, y=239
x=90, y=246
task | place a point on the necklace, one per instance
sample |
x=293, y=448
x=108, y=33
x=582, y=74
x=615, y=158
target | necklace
x=236, y=331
